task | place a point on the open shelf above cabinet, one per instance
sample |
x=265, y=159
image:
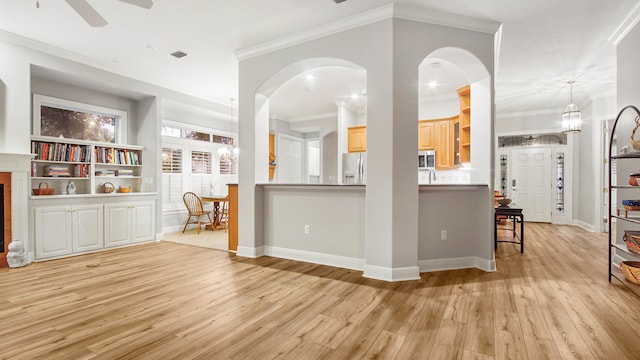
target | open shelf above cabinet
x=75, y=168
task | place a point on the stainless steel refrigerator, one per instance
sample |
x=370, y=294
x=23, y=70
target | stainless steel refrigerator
x=354, y=168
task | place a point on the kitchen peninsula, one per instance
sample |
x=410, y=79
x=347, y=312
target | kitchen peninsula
x=326, y=224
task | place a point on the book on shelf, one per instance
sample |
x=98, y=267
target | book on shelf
x=124, y=172
x=48, y=151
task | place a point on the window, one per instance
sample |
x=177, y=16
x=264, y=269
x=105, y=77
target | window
x=200, y=162
x=172, y=177
x=229, y=164
x=72, y=120
x=171, y=160
x=197, y=135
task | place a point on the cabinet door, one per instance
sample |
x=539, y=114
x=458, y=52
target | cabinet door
x=426, y=135
x=143, y=215
x=357, y=139
x=444, y=145
x=53, y=231
x=87, y=228
x=117, y=221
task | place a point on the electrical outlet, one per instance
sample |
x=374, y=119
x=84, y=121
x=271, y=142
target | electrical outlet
x=306, y=229
x=443, y=234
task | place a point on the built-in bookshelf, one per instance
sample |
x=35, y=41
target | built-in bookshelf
x=74, y=167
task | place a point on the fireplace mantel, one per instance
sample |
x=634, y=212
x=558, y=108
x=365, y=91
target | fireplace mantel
x=19, y=166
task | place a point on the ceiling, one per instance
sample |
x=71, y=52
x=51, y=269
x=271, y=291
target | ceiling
x=544, y=43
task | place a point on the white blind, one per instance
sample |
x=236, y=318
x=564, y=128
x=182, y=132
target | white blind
x=229, y=164
x=200, y=162
x=171, y=160
x=172, y=178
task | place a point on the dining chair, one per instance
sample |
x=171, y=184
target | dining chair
x=223, y=215
x=194, y=206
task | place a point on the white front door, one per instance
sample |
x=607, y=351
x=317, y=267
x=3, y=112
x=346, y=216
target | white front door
x=531, y=183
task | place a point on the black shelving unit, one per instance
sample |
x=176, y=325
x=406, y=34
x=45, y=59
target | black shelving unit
x=618, y=250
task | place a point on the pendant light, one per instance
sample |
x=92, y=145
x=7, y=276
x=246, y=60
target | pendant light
x=224, y=151
x=571, y=118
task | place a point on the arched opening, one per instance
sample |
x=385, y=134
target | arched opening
x=306, y=109
x=455, y=115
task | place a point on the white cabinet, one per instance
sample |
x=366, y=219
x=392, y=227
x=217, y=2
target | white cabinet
x=129, y=222
x=63, y=230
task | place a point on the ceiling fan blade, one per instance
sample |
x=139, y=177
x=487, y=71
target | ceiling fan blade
x=87, y=12
x=147, y=4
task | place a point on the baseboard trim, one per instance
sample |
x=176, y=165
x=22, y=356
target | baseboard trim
x=585, y=226
x=174, y=228
x=250, y=252
x=159, y=236
x=457, y=263
x=315, y=258
x=391, y=274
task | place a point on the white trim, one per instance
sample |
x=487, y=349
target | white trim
x=457, y=263
x=315, y=258
x=629, y=22
x=159, y=236
x=250, y=252
x=391, y=274
x=121, y=116
x=172, y=228
x=584, y=225
x=369, y=17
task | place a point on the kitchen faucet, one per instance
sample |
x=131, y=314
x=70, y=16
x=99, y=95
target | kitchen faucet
x=432, y=173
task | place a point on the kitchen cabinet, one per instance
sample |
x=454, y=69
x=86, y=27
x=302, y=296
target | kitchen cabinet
x=272, y=156
x=129, y=222
x=464, y=95
x=357, y=139
x=426, y=130
x=63, y=230
x=438, y=135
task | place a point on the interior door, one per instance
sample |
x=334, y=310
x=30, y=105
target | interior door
x=290, y=166
x=531, y=183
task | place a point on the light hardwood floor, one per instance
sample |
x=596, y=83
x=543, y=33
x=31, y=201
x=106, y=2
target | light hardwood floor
x=171, y=301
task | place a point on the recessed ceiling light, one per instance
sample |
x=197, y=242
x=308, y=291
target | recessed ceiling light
x=355, y=96
x=151, y=46
x=433, y=84
x=178, y=54
x=309, y=77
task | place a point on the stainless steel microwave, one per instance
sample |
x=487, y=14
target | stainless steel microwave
x=426, y=159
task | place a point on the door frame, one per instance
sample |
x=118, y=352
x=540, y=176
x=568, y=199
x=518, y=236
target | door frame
x=570, y=186
x=303, y=155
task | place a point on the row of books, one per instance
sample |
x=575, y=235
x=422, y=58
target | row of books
x=121, y=173
x=109, y=155
x=60, y=152
x=81, y=170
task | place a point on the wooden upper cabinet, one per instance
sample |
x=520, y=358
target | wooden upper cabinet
x=357, y=139
x=426, y=134
x=444, y=144
x=272, y=155
x=438, y=135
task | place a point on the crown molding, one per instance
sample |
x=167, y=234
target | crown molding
x=629, y=22
x=389, y=11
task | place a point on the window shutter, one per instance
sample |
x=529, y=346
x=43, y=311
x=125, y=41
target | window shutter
x=228, y=165
x=172, y=178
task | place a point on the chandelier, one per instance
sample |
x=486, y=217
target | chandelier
x=224, y=152
x=571, y=118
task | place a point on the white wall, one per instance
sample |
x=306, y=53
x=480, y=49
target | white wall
x=335, y=219
x=443, y=108
x=390, y=51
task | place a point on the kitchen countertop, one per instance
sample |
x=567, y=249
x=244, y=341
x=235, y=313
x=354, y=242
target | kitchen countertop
x=421, y=187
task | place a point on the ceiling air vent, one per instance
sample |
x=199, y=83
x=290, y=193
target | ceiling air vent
x=178, y=54
x=339, y=1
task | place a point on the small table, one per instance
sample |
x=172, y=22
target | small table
x=509, y=213
x=215, y=199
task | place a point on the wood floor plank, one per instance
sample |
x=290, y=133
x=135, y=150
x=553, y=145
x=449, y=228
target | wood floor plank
x=172, y=301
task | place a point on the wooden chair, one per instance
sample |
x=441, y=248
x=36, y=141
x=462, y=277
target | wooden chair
x=223, y=214
x=194, y=206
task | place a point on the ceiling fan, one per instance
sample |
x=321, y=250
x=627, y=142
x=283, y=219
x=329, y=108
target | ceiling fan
x=93, y=18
